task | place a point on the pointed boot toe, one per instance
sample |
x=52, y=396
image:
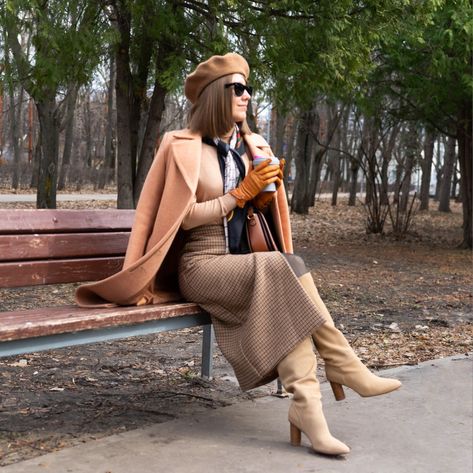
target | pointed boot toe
x=360, y=379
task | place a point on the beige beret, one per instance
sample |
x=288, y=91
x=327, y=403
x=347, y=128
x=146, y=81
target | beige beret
x=212, y=69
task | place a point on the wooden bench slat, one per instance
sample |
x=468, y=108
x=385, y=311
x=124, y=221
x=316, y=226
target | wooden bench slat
x=58, y=271
x=59, y=221
x=38, y=322
x=62, y=245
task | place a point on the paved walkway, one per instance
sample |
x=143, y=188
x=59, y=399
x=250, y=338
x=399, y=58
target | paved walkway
x=82, y=197
x=425, y=427
x=59, y=197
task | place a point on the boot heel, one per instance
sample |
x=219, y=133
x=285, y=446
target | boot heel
x=295, y=435
x=337, y=391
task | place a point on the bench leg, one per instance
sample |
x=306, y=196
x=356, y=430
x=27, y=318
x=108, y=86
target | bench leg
x=207, y=351
x=280, y=390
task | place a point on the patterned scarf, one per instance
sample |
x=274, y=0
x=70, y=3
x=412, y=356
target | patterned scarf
x=233, y=171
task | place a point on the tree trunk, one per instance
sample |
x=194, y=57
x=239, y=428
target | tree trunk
x=370, y=177
x=68, y=138
x=251, y=118
x=88, y=131
x=406, y=182
x=441, y=145
x=449, y=163
x=123, y=96
x=291, y=139
x=328, y=119
x=281, y=121
x=109, y=155
x=466, y=175
x=336, y=178
x=315, y=171
x=438, y=183
x=369, y=146
x=387, y=156
x=150, y=138
x=455, y=181
x=14, y=136
x=426, y=165
x=78, y=162
x=335, y=158
x=409, y=163
x=272, y=127
x=384, y=190
x=347, y=141
x=49, y=130
x=354, y=169
x=304, y=142
x=292, y=128
x=398, y=183
x=36, y=162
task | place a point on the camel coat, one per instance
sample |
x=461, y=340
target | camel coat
x=149, y=273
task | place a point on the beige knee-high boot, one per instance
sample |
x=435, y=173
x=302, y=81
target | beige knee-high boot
x=298, y=376
x=342, y=365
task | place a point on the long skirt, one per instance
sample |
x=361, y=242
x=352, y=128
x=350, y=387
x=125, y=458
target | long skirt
x=259, y=309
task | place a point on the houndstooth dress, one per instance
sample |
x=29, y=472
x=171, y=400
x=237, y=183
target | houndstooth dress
x=259, y=310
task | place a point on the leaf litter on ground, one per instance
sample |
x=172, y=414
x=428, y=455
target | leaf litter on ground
x=398, y=303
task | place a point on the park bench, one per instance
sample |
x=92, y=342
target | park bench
x=40, y=247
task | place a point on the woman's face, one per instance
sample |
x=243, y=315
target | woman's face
x=239, y=104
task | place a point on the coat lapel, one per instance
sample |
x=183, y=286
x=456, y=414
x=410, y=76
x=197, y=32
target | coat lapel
x=187, y=153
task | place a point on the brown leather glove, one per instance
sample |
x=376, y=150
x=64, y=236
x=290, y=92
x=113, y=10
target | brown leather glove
x=263, y=199
x=256, y=180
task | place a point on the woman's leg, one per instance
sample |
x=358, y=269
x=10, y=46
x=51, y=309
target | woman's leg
x=297, y=372
x=342, y=365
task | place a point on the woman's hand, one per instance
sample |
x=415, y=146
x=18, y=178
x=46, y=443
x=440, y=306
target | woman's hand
x=263, y=199
x=256, y=180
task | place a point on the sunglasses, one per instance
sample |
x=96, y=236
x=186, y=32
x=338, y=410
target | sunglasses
x=240, y=88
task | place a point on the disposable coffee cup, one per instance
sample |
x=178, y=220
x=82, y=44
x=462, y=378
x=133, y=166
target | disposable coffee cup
x=274, y=161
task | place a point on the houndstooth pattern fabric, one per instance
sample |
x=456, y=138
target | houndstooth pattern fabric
x=259, y=309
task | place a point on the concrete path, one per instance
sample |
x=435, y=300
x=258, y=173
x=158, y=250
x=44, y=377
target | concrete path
x=59, y=197
x=82, y=197
x=426, y=427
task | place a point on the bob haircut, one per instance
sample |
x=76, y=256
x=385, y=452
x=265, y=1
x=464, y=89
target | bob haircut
x=211, y=114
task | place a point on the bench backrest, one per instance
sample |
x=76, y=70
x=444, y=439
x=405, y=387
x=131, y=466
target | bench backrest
x=61, y=246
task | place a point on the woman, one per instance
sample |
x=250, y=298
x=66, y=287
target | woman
x=189, y=218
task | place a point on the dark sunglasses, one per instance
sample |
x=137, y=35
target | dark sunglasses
x=240, y=88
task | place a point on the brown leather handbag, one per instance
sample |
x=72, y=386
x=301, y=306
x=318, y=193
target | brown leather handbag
x=258, y=232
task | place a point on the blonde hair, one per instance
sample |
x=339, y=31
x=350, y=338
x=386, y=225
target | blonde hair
x=211, y=114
